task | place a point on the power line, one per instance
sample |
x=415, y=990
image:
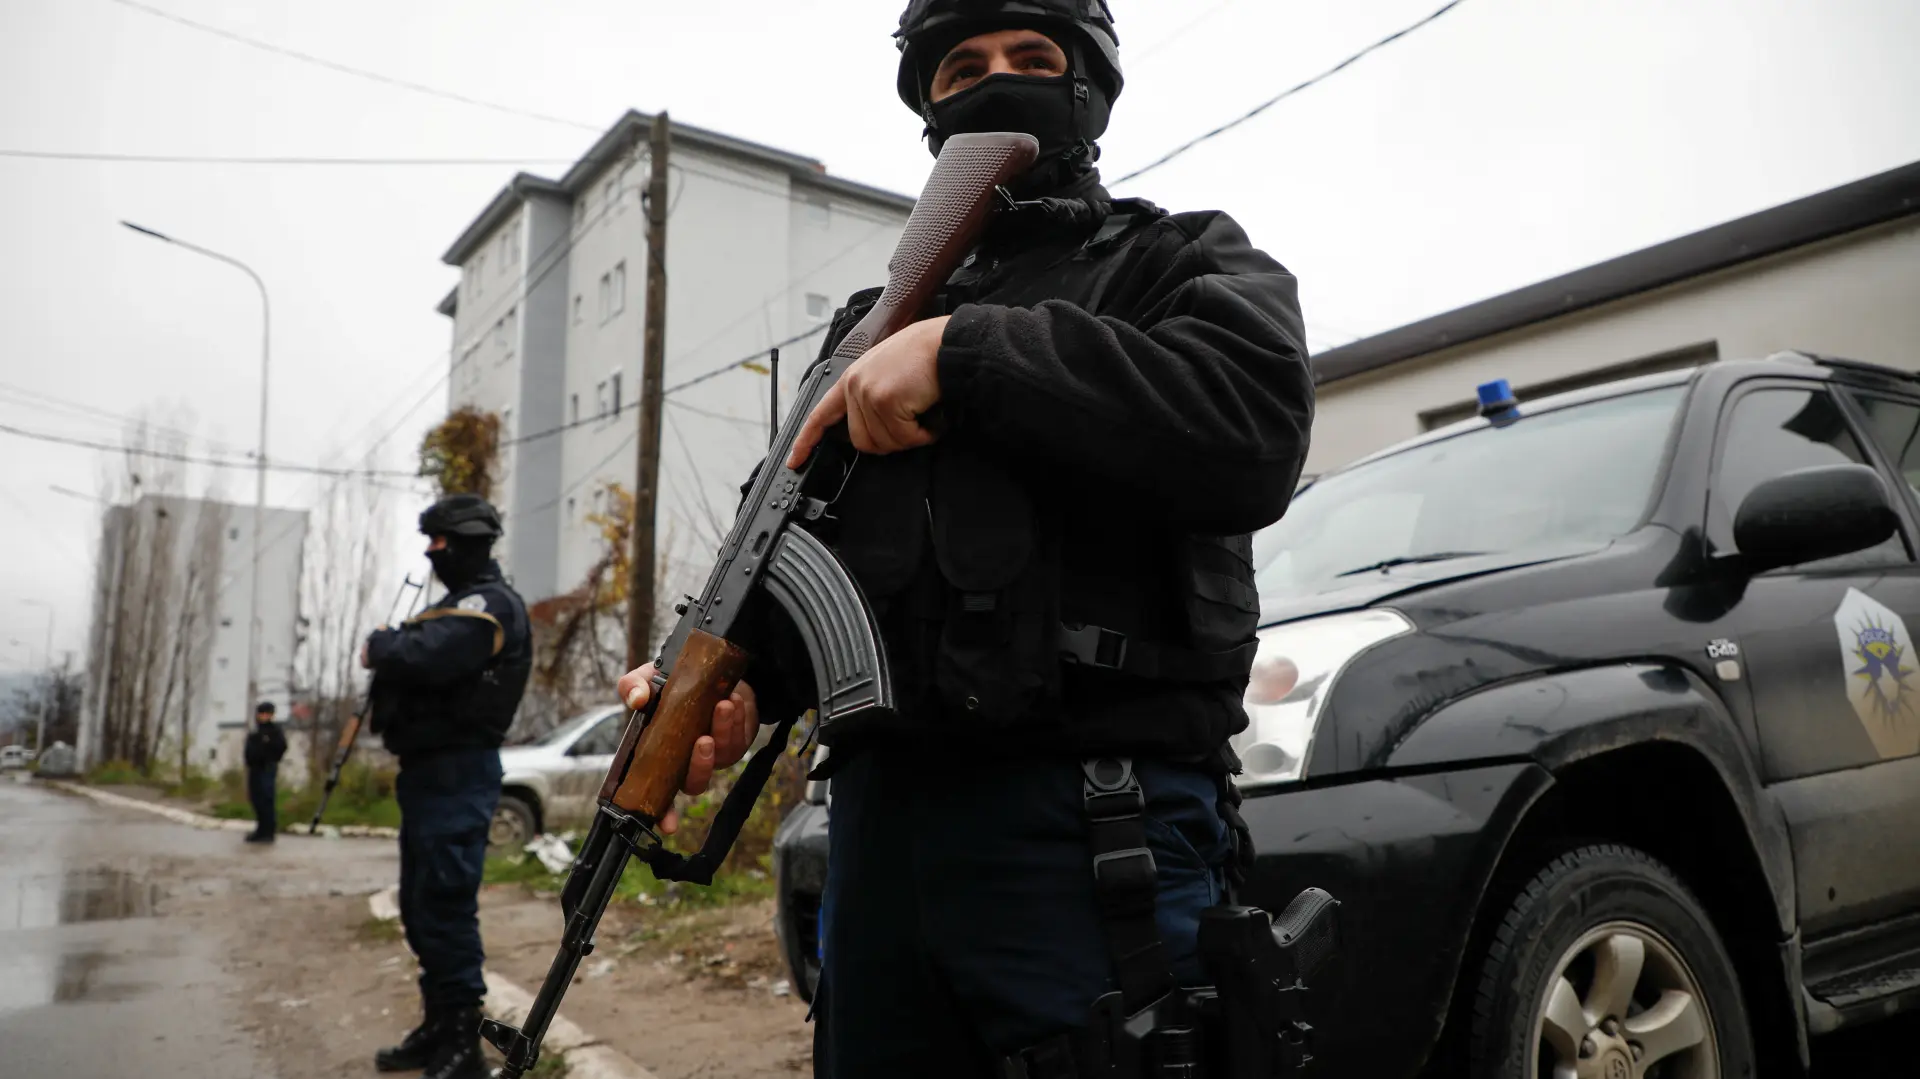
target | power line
x=41, y=402
x=231, y=159
x=1275, y=100
x=1135, y=62
x=347, y=69
x=744, y=360
x=618, y=449
x=185, y=458
x=604, y=417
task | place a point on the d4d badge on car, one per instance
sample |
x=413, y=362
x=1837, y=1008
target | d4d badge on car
x=1880, y=670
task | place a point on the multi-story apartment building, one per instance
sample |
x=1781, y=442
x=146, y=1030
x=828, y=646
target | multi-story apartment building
x=167, y=652
x=548, y=328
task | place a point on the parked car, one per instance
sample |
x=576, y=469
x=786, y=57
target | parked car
x=1601, y=716
x=15, y=756
x=552, y=783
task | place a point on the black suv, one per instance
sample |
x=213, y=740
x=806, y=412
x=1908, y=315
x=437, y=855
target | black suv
x=1602, y=717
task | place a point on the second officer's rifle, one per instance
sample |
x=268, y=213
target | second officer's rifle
x=350, y=733
x=768, y=549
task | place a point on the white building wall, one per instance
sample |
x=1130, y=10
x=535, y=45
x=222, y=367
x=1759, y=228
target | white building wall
x=1856, y=296
x=744, y=251
x=758, y=251
x=212, y=688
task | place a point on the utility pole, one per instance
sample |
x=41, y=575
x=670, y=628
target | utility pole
x=646, y=487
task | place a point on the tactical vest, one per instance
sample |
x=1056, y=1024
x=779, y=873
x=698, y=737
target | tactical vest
x=471, y=712
x=1012, y=597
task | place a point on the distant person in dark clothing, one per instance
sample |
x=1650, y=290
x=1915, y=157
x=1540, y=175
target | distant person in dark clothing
x=266, y=744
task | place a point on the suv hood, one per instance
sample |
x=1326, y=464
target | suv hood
x=1367, y=589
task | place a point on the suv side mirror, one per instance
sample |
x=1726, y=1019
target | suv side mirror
x=1810, y=514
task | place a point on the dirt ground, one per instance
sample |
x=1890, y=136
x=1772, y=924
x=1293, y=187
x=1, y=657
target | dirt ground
x=686, y=995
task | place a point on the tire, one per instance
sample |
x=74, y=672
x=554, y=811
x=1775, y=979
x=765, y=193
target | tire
x=514, y=823
x=1562, y=958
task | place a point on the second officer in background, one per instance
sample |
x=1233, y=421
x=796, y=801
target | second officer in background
x=446, y=686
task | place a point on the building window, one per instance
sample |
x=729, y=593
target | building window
x=506, y=425
x=614, y=381
x=818, y=306
x=620, y=288
x=479, y=273
x=233, y=533
x=600, y=401
x=575, y=417
x=576, y=308
x=570, y=509
x=606, y=296
x=506, y=252
x=599, y=501
x=610, y=194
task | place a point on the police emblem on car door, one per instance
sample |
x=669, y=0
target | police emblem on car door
x=1881, y=671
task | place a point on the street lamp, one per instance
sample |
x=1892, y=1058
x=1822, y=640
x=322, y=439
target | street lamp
x=260, y=457
x=40, y=735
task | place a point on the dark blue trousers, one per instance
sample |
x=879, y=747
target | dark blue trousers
x=260, y=783
x=447, y=801
x=958, y=918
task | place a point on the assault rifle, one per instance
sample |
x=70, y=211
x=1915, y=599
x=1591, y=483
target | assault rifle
x=351, y=732
x=769, y=553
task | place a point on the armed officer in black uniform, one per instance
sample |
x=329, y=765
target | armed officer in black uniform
x=445, y=687
x=1060, y=564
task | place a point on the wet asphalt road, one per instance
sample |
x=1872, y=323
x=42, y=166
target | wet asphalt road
x=111, y=948
x=115, y=961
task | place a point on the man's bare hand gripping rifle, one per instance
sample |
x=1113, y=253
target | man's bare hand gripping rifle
x=692, y=712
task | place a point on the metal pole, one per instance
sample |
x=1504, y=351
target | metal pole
x=260, y=457
x=640, y=582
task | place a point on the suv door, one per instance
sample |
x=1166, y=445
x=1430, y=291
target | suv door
x=1832, y=665
x=577, y=785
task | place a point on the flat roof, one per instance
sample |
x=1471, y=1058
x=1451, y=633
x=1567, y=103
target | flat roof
x=1861, y=204
x=632, y=130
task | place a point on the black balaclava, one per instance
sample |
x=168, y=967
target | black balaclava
x=1042, y=106
x=462, y=560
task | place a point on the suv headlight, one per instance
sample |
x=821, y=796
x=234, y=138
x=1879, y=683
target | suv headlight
x=1293, y=674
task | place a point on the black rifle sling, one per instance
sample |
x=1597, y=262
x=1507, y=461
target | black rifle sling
x=1125, y=879
x=734, y=810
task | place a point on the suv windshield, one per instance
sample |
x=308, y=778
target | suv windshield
x=1580, y=475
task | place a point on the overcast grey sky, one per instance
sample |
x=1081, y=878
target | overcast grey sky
x=1510, y=140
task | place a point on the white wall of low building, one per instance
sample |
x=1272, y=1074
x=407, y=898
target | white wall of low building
x=1855, y=295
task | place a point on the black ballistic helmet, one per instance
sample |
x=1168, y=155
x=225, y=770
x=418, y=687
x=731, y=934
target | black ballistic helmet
x=929, y=29
x=461, y=515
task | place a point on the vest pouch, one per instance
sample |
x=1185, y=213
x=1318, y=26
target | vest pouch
x=1215, y=579
x=998, y=661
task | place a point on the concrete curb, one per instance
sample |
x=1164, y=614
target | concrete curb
x=586, y=1057
x=206, y=823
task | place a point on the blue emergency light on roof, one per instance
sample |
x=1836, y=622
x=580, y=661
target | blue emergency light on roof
x=1497, y=402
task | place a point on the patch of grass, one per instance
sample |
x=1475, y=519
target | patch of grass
x=380, y=930
x=114, y=773
x=232, y=811
x=194, y=786
x=551, y=1065
x=637, y=884
x=519, y=867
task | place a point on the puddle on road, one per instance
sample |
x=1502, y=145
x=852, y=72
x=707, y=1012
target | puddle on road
x=99, y=894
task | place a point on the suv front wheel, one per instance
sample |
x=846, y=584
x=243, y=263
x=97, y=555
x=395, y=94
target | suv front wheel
x=1606, y=967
